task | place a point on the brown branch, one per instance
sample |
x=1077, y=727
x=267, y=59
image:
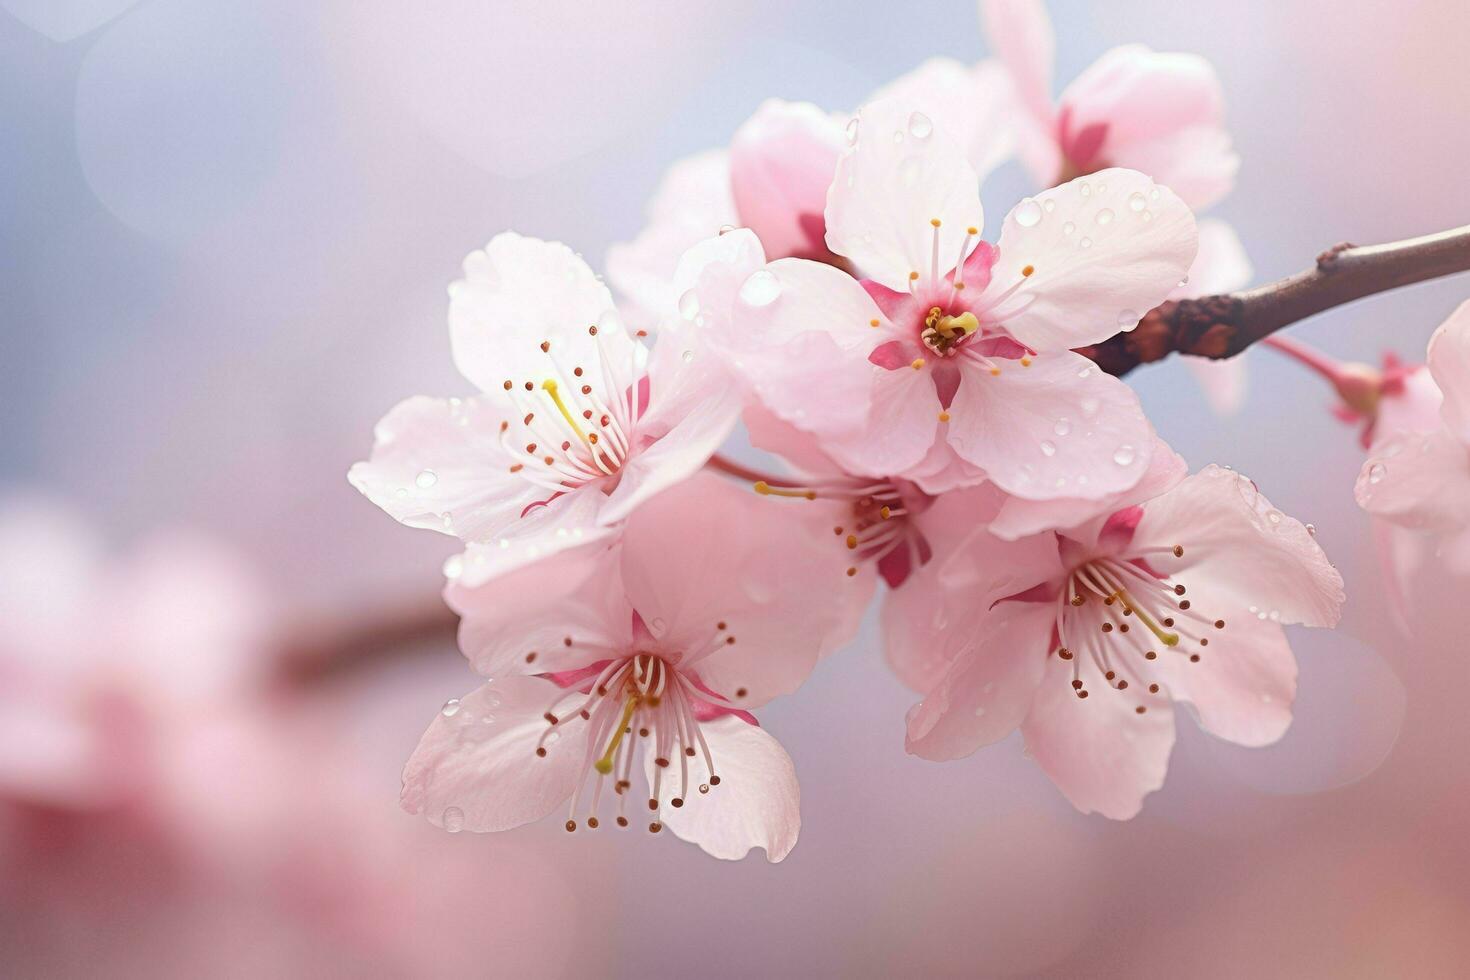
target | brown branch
x=322, y=647
x=1223, y=326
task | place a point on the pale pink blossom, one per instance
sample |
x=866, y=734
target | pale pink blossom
x=711, y=604
x=1419, y=478
x=953, y=362
x=575, y=425
x=1162, y=114
x=1083, y=638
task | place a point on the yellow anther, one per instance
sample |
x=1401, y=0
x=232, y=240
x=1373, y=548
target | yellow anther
x=943, y=417
x=872, y=323
x=995, y=371
x=934, y=222
x=766, y=490
x=1027, y=270
x=885, y=512
x=1025, y=362
x=972, y=230
x=913, y=276
x=918, y=363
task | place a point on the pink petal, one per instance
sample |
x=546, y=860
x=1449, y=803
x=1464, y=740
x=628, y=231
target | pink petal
x=997, y=662
x=1413, y=407
x=473, y=774
x=692, y=203
x=902, y=419
x=970, y=103
x=1020, y=33
x=1417, y=480
x=1059, y=428
x=1102, y=754
x=1449, y=362
x=1103, y=250
x=568, y=521
x=902, y=172
x=1244, y=683
x=1239, y=546
x=521, y=622
x=519, y=293
x=1197, y=163
x=781, y=164
x=756, y=804
x=434, y=457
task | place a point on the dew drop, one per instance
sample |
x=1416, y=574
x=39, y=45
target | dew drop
x=1068, y=228
x=1049, y=205
x=1123, y=456
x=1085, y=371
x=1085, y=189
x=1028, y=213
x=689, y=304
x=454, y=819
x=1048, y=449
x=726, y=229
x=1062, y=427
x=1089, y=406
x=451, y=708
x=1312, y=530
x=425, y=479
x=1136, y=202
x=852, y=131
x=1084, y=242
x=687, y=356
x=898, y=136
x=1127, y=319
x=453, y=566
x=1153, y=195
x=1147, y=216
x=1377, y=472
x=921, y=127
x=1274, y=516
x=1105, y=216
x=760, y=289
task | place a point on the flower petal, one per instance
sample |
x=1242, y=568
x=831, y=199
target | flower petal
x=568, y=521
x=709, y=552
x=1102, y=754
x=986, y=693
x=756, y=804
x=1103, y=250
x=472, y=774
x=1449, y=363
x=781, y=164
x=438, y=464
x=970, y=103
x=1417, y=480
x=1236, y=544
x=519, y=293
x=1060, y=428
x=1020, y=33
x=902, y=172
x=1243, y=685
x=692, y=203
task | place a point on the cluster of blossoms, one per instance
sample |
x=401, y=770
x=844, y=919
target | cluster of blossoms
x=1047, y=563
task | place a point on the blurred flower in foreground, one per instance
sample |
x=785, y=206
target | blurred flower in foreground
x=711, y=604
x=1106, y=605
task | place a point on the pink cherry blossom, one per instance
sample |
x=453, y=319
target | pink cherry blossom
x=711, y=604
x=1420, y=479
x=953, y=362
x=576, y=423
x=1162, y=114
x=1083, y=638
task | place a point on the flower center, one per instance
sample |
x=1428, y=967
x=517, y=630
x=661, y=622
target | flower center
x=1120, y=613
x=638, y=700
x=879, y=526
x=576, y=426
x=943, y=332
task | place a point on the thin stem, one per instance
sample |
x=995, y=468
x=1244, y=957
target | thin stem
x=1306, y=355
x=1224, y=325
x=731, y=468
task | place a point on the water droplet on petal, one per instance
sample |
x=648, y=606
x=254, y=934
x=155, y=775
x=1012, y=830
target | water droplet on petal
x=760, y=289
x=1136, y=202
x=1153, y=195
x=1127, y=319
x=425, y=479
x=1124, y=455
x=1105, y=216
x=453, y=566
x=689, y=304
x=1377, y=472
x=726, y=229
x=852, y=131
x=1089, y=406
x=451, y=708
x=1028, y=213
x=1085, y=371
x=1084, y=243
x=1312, y=530
x=1062, y=427
x=920, y=126
x=1048, y=449
x=1049, y=205
x=1274, y=516
x=454, y=819
x=1085, y=189
x=1068, y=228
x=687, y=356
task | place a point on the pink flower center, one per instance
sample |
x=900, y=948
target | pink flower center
x=880, y=529
x=577, y=424
x=639, y=700
x=1121, y=613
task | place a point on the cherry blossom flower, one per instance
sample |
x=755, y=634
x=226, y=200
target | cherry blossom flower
x=576, y=423
x=1082, y=638
x=953, y=363
x=1162, y=114
x=1419, y=478
x=711, y=604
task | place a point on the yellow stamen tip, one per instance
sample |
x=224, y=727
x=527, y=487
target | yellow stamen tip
x=934, y=222
x=872, y=323
x=1025, y=362
x=1170, y=639
x=913, y=276
x=972, y=230
x=603, y=766
x=1028, y=270
x=918, y=363
x=762, y=487
x=995, y=371
x=943, y=417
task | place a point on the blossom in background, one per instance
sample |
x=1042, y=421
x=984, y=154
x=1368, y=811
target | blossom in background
x=1082, y=638
x=576, y=423
x=953, y=363
x=1159, y=113
x=710, y=604
x=1419, y=478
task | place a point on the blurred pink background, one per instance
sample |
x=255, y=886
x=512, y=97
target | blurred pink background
x=225, y=233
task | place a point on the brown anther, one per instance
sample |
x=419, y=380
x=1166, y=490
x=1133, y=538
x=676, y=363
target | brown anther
x=655, y=827
x=592, y=438
x=1122, y=685
x=852, y=542
x=566, y=444
x=1194, y=658
x=530, y=447
x=714, y=780
x=577, y=371
x=530, y=386
x=661, y=763
x=548, y=460
x=1064, y=653
x=586, y=389
x=642, y=733
x=1140, y=709
x=1110, y=674
x=601, y=689
x=1204, y=643
x=592, y=331
x=1077, y=600
x=509, y=385
x=1168, y=620
x=1219, y=624
x=566, y=641
x=1108, y=601
x=517, y=467
x=587, y=414
x=740, y=692
x=1178, y=551
x=592, y=823
x=1178, y=590
x=641, y=334
x=1184, y=604
x=571, y=826
x=677, y=801
x=1150, y=655
x=1082, y=694
x=1107, y=627
x=604, y=421
x=653, y=804
x=540, y=752
x=689, y=750
x=729, y=641
x=586, y=715
x=1027, y=270
x=504, y=426
x=851, y=571
x=1153, y=689
x=1076, y=685
x=720, y=625
x=545, y=346
x=1123, y=627
x=622, y=821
